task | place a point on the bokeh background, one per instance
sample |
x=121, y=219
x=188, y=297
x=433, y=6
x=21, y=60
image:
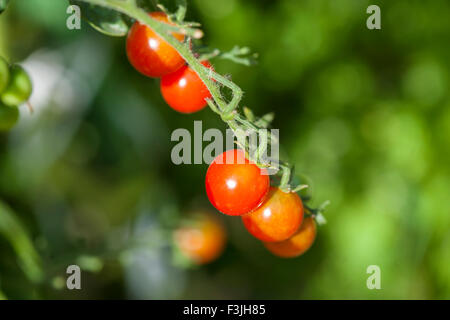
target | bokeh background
x=364, y=114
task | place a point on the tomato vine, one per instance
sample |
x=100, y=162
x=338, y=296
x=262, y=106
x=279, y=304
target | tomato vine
x=240, y=123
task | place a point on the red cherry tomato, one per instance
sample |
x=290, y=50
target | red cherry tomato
x=278, y=218
x=296, y=245
x=184, y=91
x=235, y=185
x=203, y=240
x=148, y=53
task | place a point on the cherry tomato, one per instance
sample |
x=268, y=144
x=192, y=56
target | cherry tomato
x=19, y=88
x=296, y=245
x=235, y=185
x=8, y=117
x=184, y=91
x=278, y=218
x=4, y=74
x=149, y=53
x=203, y=240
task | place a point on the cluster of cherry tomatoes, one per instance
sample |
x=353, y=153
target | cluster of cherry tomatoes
x=234, y=185
x=15, y=89
x=152, y=56
x=237, y=187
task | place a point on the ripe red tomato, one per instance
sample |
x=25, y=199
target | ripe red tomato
x=203, y=240
x=235, y=185
x=148, y=53
x=184, y=91
x=296, y=245
x=278, y=218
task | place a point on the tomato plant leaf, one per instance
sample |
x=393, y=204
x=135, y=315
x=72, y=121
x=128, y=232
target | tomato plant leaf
x=240, y=55
x=107, y=21
x=15, y=233
x=181, y=10
x=265, y=120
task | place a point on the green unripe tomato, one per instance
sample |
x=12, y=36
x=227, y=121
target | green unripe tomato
x=19, y=88
x=8, y=117
x=4, y=75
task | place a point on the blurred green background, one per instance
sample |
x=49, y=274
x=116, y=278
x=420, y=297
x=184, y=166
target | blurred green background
x=364, y=114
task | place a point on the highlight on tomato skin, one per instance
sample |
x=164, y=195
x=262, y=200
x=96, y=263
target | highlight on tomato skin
x=296, y=245
x=202, y=240
x=234, y=184
x=277, y=219
x=150, y=54
x=184, y=91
